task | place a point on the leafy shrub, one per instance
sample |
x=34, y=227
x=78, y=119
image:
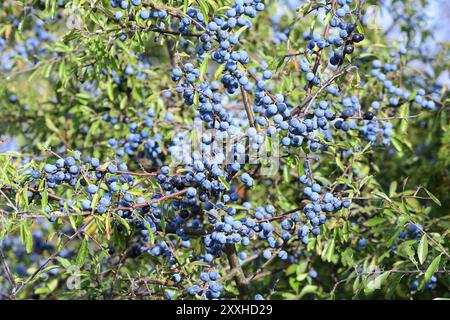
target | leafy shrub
x=222, y=149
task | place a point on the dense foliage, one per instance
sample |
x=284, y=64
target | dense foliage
x=223, y=149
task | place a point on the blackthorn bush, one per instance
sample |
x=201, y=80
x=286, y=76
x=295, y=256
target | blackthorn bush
x=222, y=149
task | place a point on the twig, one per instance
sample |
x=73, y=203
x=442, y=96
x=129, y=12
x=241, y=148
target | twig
x=9, y=275
x=319, y=52
x=247, y=107
x=145, y=204
x=310, y=98
x=236, y=268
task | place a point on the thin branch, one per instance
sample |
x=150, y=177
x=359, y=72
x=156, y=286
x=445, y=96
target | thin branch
x=8, y=272
x=310, y=98
x=145, y=204
x=319, y=52
x=236, y=269
x=248, y=109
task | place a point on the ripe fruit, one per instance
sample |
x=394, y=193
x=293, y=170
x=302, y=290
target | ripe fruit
x=368, y=115
x=357, y=37
x=95, y=163
x=86, y=205
x=49, y=168
x=112, y=168
x=267, y=254
x=92, y=189
x=349, y=49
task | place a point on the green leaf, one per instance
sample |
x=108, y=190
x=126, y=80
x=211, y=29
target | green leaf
x=405, y=182
x=346, y=231
x=110, y=90
x=347, y=257
x=64, y=262
x=403, y=58
x=432, y=268
x=196, y=98
x=328, y=17
x=49, y=123
x=422, y=250
x=204, y=67
x=82, y=253
x=392, y=188
x=308, y=289
x=44, y=200
x=72, y=222
x=375, y=221
x=205, y=10
x=376, y=282
x=219, y=71
x=41, y=290
x=239, y=32
x=95, y=200
x=339, y=163
x=435, y=200
x=327, y=255
x=404, y=113
x=406, y=249
x=360, y=28
x=27, y=237
x=382, y=196
x=397, y=145
x=224, y=182
x=124, y=223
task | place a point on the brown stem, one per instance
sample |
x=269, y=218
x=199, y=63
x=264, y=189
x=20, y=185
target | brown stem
x=248, y=109
x=239, y=276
